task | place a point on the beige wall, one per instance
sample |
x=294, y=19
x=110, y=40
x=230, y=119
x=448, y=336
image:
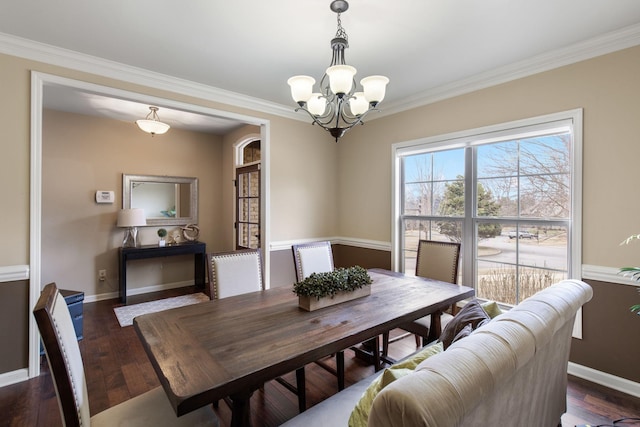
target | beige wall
x=607, y=88
x=82, y=154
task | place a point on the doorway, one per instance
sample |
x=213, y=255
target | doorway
x=248, y=197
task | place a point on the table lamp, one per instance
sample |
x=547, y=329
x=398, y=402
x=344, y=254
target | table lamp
x=132, y=219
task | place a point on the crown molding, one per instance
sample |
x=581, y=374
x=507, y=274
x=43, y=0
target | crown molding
x=41, y=52
x=611, y=42
x=597, y=46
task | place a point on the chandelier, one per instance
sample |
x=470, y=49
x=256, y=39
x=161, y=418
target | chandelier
x=152, y=124
x=338, y=107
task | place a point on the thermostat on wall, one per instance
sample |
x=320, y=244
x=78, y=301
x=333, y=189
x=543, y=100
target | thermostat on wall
x=104, y=196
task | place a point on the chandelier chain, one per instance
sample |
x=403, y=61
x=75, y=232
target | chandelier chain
x=341, y=33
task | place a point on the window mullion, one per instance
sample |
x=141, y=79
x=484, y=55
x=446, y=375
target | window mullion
x=468, y=241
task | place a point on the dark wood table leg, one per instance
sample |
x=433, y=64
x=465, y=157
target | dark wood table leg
x=199, y=269
x=436, y=328
x=240, y=410
x=340, y=369
x=301, y=387
x=122, y=276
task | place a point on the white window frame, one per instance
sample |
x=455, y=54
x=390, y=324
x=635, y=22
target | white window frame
x=471, y=137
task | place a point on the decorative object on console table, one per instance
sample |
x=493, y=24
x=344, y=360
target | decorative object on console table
x=131, y=219
x=190, y=232
x=321, y=290
x=162, y=233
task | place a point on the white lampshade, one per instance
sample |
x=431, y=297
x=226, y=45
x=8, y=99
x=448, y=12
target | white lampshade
x=374, y=88
x=341, y=78
x=358, y=104
x=317, y=104
x=301, y=87
x=154, y=127
x=134, y=217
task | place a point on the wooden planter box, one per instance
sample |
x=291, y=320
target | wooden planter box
x=313, y=303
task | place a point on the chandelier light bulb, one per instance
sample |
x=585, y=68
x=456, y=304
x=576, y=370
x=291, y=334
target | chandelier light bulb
x=317, y=104
x=374, y=88
x=341, y=78
x=358, y=104
x=301, y=88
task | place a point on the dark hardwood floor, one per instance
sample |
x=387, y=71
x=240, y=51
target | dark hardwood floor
x=117, y=369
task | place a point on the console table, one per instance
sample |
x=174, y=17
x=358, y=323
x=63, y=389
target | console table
x=153, y=251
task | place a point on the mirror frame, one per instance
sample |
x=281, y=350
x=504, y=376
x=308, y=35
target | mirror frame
x=127, y=183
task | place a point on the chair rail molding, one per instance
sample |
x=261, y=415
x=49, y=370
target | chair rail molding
x=13, y=273
x=347, y=241
x=606, y=274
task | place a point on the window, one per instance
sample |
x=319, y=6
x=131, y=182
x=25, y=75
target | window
x=511, y=194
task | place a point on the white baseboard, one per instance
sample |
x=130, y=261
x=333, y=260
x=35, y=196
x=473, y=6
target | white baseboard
x=138, y=291
x=13, y=377
x=617, y=383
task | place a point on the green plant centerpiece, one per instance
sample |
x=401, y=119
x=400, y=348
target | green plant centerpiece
x=323, y=289
x=632, y=272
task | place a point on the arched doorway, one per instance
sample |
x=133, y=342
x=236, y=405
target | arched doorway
x=248, y=195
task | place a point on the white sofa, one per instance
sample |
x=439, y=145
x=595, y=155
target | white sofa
x=511, y=371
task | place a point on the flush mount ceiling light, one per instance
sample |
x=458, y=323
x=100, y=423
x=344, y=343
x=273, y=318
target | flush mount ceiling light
x=338, y=107
x=152, y=124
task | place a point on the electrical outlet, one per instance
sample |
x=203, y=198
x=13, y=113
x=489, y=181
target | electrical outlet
x=102, y=275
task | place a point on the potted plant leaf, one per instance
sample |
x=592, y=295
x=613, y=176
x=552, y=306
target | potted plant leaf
x=324, y=289
x=632, y=272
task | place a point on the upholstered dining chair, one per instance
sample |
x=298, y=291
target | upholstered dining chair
x=317, y=257
x=439, y=261
x=234, y=273
x=314, y=257
x=239, y=272
x=65, y=361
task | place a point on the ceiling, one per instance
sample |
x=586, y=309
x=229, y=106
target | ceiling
x=251, y=47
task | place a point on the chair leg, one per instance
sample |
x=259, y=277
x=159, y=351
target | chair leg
x=302, y=389
x=417, y=337
x=340, y=369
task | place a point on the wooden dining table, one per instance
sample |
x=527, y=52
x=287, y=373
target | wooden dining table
x=230, y=347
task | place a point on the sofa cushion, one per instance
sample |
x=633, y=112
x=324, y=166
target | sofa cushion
x=360, y=415
x=471, y=314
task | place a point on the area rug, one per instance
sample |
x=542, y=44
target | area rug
x=125, y=314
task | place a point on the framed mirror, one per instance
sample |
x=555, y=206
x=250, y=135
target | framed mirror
x=166, y=200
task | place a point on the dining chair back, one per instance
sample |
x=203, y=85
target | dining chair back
x=234, y=273
x=315, y=257
x=67, y=371
x=438, y=260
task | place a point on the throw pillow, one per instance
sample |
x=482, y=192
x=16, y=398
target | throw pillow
x=360, y=414
x=471, y=314
x=492, y=308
